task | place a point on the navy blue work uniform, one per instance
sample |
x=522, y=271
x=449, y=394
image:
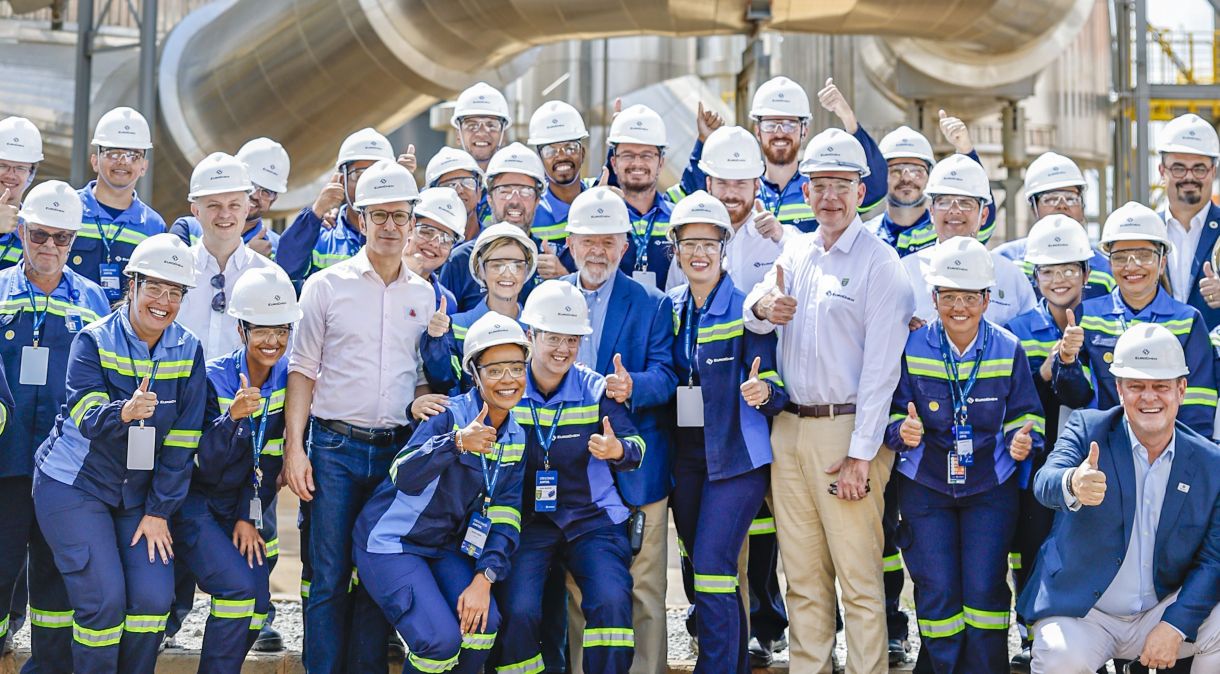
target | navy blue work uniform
x=25, y=310
x=107, y=238
x=551, y=218
x=958, y=488
x=455, y=276
x=308, y=246
x=89, y=504
x=1105, y=318
x=235, y=473
x=10, y=249
x=189, y=230
x=582, y=527
x=723, y=465
x=411, y=537
x=914, y=239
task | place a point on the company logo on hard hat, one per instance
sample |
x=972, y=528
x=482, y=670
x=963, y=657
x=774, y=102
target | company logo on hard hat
x=780, y=95
x=1056, y=171
x=480, y=99
x=638, y=125
x=567, y=311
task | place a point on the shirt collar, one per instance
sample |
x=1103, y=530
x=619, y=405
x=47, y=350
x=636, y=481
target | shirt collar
x=935, y=328
x=1161, y=304
x=659, y=205
x=91, y=208
x=204, y=259
x=569, y=390
x=363, y=265
x=1196, y=220
x=1140, y=452
x=847, y=239
x=602, y=291
x=17, y=284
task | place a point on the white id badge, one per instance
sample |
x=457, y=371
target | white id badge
x=256, y=512
x=690, y=406
x=34, y=365
x=646, y=278
x=141, y=447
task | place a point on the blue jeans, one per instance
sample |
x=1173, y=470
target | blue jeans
x=345, y=473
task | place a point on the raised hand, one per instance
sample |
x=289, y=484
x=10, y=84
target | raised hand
x=407, y=159
x=707, y=121
x=438, y=325
x=246, y=401
x=911, y=430
x=766, y=223
x=142, y=405
x=1072, y=341
x=606, y=445
x=1209, y=286
x=619, y=383
x=331, y=196
x=1021, y=443
x=777, y=306
x=477, y=436
x=834, y=101
x=954, y=130
x=755, y=391
x=1089, y=483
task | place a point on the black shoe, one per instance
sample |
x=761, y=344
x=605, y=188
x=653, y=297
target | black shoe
x=1021, y=661
x=899, y=651
x=394, y=649
x=780, y=644
x=268, y=641
x=761, y=654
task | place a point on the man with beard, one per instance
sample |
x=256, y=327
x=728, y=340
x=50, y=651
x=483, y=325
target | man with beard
x=267, y=164
x=458, y=171
x=557, y=131
x=908, y=156
x=481, y=119
x=19, y=157
x=1189, y=148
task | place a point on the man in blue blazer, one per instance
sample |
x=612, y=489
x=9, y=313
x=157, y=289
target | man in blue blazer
x=632, y=344
x=1132, y=566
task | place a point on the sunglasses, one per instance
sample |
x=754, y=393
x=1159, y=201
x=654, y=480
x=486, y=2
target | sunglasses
x=218, y=300
x=40, y=236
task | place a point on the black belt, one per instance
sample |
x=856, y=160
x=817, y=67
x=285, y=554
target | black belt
x=373, y=436
x=819, y=411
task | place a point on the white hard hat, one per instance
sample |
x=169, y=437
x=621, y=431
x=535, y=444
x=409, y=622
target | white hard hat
x=732, y=153
x=780, y=97
x=264, y=296
x=1189, y=134
x=219, y=173
x=557, y=306
x=52, y=204
x=834, y=150
x=1057, y=239
x=20, y=140
x=122, y=128
x=447, y=160
x=638, y=124
x=364, y=145
x=164, y=257
x=906, y=143
x=443, y=206
x=598, y=210
x=699, y=207
x=480, y=100
x=267, y=163
x=556, y=122
x=961, y=263
x=515, y=158
x=385, y=182
x=1148, y=351
x=959, y=175
x=492, y=329
x=1051, y=171
x=1134, y=222
x=502, y=230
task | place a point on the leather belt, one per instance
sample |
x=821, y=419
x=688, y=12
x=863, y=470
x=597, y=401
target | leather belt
x=819, y=411
x=374, y=436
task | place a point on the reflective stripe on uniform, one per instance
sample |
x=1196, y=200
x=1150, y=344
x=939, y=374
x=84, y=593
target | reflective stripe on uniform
x=304, y=589
x=232, y=609
x=891, y=563
x=531, y=666
x=715, y=584
x=762, y=525
x=179, y=438
x=721, y=331
x=50, y=619
x=257, y=621
x=273, y=547
x=986, y=620
x=273, y=448
x=609, y=637
x=97, y=638
x=1014, y=561
x=478, y=642
x=1195, y=395
x=429, y=665
x=939, y=629
x=146, y=623
x=86, y=403
x=168, y=369
x=505, y=515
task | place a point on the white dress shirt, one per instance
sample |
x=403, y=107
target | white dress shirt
x=1011, y=296
x=845, y=343
x=359, y=341
x=1185, y=245
x=216, y=330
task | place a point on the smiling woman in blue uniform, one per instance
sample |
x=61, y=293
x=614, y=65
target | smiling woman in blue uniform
x=964, y=414
x=575, y=438
x=44, y=305
x=721, y=470
x=440, y=531
x=117, y=464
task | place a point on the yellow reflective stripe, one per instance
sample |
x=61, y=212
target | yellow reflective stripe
x=939, y=629
x=935, y=368
x=721, y=331
x=257, y=621
x=891, y=563
x=897, y=416
x=794, y=211
x=232, y=609
x=273, y=547
x=273, y=447
x=512, y=452
x=675, y=193
x=91, y=230
x=710, y=584
x=1014, y=561
x=1179, y=327
x=586, y=414
x=1195, y=395
x=1034, y=347
x=50, y=619
x=56, y=307
x=145, y=623
x=659, y=229
x=86, y=403
x=623, y=637
x=168, y=369
x=1016, y=424
x=97, y=638
x=552, y=232
x=531, y=665
x=459, y=332
x=986, y=620
x=478, y=642
x=324, y=260
x=762, y=525
x=429, y=665
x=305, y=588
x=639, y=441
x=1098, y=277
x=771, y=376
x=505, y=515
x=180, y=438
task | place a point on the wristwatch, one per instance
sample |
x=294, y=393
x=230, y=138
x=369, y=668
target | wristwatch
x=490, y=575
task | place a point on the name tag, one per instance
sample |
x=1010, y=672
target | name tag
x=141, y=447
x=476, y=535
x=646, y=278
x=109, y=276
x=73, y=321
x=690, y=406
x=963, y=444
x=256, y=512
x=957, y=472
x=34, y=365
x=546, y=491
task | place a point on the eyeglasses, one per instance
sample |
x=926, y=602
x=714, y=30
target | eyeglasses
x=1142, y=257
x=156, y=291
x=570, y=148
x=497, y=371
x=949, y=203
x=353, y=175
x=401, y=218
x=555, y=341
x=468, y=184
x=490, y=124
x=265, y=194
x=839, y=186
x=773, y=125
x=1059, y=198
x=917, y=170
x=970, y=300
x=263, y=333
x=700, y=247
x=218, y=300
x=21, y=170
x=510, y=191
x=1198, y=170
x=1067, y=273
x=39, y=236
x=499, y=266
x=632, y=157
x=433, y=235
x=113, y=154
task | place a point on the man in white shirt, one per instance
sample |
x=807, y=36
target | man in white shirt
x=1189, y=148
x=841, y=302
x=220, y=200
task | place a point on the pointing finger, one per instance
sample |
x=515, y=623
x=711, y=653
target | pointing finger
x=754, y=367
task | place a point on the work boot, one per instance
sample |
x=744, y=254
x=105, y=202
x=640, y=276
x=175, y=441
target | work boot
x=268, y=641
x=1021, y=661
x=899, y=650
x=394, y=649
x=761, y=654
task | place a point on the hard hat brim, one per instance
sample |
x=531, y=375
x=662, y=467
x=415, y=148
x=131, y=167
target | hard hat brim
x=595, y=231
x=808, y=167
x=472, y=355
x=283, y=317
x=758, y=113
x=910, y=155
x=365, y=203
x=955, y=192
x=1107, y=244
x=1050, y=259
x=938, y=281
x=1150, y=373
x=742, y=174
x=1185, y=149
x=1052, y=186
x=247, y=188
x=539, y=141
x=36, y=218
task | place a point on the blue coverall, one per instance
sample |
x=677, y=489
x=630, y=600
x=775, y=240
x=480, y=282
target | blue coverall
x=105, y=242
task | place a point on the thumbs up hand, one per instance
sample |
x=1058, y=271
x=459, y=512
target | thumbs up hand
x=141, y=405
x=407, y=159
x=766, y=223
x=606, y=445
x=1209, y=286
x=1087, y=482
x=755, y=391
x=707, y=121
x=1072, y=340
x=438, y=325
x=331, y=196
x=954, y=130
x=8, y=211
x=1022, y=443
x=477, y=436
x=833, y=101
x=618, y=383
x=777, y=306
x=246, y=401
x=549, y=266
x=911, y=430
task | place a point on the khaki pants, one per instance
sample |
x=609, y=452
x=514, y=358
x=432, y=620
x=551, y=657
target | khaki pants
x=648, y=600
x=822, y=538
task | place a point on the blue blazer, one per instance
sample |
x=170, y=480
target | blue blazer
x=640, y=327
x=1207, y=241
x=1085, y=549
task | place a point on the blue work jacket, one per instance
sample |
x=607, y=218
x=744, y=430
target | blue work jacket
x=106, y=240
x=308, y=246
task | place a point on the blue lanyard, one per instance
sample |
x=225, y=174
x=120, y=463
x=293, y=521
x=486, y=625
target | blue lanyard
x=259, y=435
x=490, y=483
x=641, y=242
x=550, y=437
x=101, y=231
x=959, y=392
x=39, y=318
x=690, y=345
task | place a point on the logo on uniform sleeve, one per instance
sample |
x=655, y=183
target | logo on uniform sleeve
x=845, y=281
